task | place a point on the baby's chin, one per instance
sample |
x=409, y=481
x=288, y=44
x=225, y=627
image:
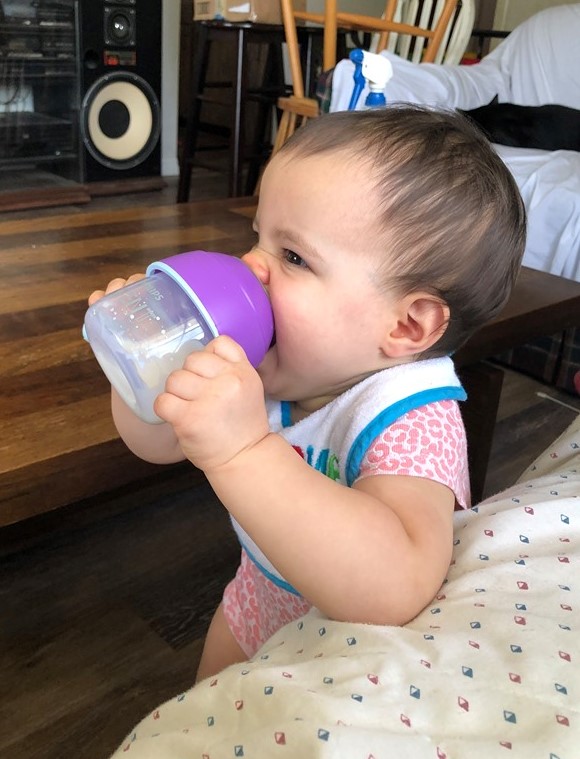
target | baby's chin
x=276, y=386
x=280, y=382
x=272, y=389
x=267, y=370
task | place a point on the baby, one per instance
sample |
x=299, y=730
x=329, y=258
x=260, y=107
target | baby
x=384, y=239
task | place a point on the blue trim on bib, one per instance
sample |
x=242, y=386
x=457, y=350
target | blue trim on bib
x=286, y=413
x=278, y=581
x=389, y=415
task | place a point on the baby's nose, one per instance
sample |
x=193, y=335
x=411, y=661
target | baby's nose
x=257, y=263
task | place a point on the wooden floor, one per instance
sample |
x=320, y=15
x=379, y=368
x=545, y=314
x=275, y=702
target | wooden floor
x=104, y=605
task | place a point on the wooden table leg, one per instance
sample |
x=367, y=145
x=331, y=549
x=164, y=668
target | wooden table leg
x=483, y=383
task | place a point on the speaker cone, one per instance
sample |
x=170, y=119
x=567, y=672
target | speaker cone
x=120, y=120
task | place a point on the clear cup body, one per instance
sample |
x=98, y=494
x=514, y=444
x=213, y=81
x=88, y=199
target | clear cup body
x=141, y=333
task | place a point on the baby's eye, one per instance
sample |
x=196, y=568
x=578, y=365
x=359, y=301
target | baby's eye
x=294, y=258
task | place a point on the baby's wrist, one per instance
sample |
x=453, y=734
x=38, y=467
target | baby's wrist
x=252, y=456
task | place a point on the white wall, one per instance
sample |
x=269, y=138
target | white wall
x=510, y=13
x=370, y=7
x=170, y=87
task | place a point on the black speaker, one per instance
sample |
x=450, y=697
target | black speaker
x=120, y=81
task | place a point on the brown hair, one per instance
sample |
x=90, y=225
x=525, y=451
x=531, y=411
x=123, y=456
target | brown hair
x=453, y=220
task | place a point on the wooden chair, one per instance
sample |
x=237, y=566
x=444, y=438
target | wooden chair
x=297, y=108
x=420, y=13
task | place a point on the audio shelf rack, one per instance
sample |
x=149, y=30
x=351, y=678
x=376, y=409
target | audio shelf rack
x=40, y=158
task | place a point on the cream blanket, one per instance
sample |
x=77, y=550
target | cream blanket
x=489, y=669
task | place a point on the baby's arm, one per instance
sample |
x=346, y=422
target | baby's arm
x=374, y=553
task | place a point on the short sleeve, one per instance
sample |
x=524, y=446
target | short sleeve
x=427, y=442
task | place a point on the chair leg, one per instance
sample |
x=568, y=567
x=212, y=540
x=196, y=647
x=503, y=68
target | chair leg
x=286, y=128
x=237, y=127
x=483, y=383
x=261, y=147
x=199, y=64
x=242, y=37
x=258, y=153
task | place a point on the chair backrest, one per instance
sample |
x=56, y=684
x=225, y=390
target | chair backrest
x=426, y=13
x=431, y=28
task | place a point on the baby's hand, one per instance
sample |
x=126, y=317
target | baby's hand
x=114, y=284
x=215, y=405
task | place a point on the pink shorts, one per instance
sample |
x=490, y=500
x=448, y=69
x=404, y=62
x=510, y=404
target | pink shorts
x=255, y=608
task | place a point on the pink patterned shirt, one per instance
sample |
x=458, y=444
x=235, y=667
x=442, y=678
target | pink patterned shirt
x=428, y=442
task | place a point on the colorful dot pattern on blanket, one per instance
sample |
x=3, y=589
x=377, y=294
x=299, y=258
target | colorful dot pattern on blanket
x=489, y=669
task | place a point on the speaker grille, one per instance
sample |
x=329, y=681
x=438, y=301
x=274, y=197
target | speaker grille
x=120, y=120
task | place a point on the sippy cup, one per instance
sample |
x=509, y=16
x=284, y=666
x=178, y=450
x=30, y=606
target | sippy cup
x=144, y=331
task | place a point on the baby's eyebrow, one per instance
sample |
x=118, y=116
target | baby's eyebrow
x=295, y=238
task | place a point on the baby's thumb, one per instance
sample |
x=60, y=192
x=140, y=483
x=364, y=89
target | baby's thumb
x=226, y=348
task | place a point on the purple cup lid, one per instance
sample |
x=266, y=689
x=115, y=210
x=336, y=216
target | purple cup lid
x=226, y=290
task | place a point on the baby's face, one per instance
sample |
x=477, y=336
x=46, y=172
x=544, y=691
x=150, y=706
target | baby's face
x=316, y=254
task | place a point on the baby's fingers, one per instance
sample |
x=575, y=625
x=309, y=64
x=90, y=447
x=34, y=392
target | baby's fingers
x=95, y=296
x=170, y=407
x=199, y=368
x=227, y=349
x=114, y=284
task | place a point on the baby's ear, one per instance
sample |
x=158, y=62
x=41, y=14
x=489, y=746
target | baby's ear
x=421, y=320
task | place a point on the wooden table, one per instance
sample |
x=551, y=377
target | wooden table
x=58, y=444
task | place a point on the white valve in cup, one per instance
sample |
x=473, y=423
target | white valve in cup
x=144, y=331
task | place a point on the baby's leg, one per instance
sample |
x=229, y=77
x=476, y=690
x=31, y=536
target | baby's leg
x=220, y=648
